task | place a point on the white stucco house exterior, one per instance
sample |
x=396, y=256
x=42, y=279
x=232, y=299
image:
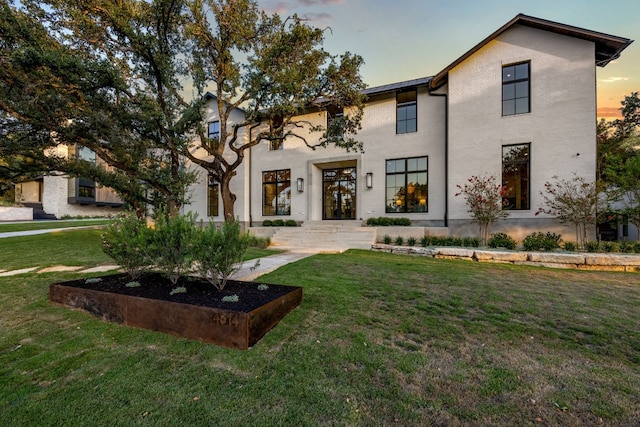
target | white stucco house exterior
x=520, y=105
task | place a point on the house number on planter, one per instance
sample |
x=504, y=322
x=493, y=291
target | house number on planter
x=226, y=319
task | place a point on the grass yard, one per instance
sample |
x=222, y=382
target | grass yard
x=379, y=339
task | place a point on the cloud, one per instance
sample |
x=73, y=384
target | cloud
x=614, y=79
x=286, y=8
x=609, y=112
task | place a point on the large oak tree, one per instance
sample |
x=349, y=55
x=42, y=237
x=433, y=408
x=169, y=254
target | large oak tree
x=109, y=76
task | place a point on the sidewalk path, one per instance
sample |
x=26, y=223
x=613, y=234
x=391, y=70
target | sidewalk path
x=267, y=264
x=46, y=230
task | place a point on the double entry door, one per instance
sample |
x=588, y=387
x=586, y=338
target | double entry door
x=339, y=193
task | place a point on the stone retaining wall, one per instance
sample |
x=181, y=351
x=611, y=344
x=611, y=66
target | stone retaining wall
x=571, y=260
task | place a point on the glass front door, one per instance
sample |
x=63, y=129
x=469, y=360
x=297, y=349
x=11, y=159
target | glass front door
x=339, y=193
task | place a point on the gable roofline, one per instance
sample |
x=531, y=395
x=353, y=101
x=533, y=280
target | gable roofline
x=393, y=87
x=608, y=47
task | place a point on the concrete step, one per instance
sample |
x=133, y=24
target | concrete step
x=324, y=236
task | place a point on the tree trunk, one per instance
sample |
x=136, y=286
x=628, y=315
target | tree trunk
x=228, y=198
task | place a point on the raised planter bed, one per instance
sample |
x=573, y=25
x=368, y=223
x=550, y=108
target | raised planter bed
x=197, y=314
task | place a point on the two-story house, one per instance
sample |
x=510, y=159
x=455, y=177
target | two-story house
x=520, y=105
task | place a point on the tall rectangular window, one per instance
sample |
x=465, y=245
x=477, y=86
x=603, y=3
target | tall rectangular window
x=277, y=132
x=406, y=187
x=407, y=111
x=515, y=89
x=276, y=192
x=515, y=175
x=213, y=131
x=213, y=191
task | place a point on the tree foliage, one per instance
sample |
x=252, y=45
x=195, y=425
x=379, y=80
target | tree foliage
x=575, y=201
x=108, y=75
x=619, y=159
x=485, y=201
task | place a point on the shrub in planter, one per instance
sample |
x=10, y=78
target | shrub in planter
x=291, y=223
x=278, y=223
x=570, y=246
x=383, y=221
x=170, y=245
x=636, y=247
x=540, y=241
x=399, y=241
x=218, y=252
x=267, y=223
x=411, y=241
x=258, y=242
x=501, y=240
x=471, y=242
x=425, y=241
x=386, y=239
x=125, y=240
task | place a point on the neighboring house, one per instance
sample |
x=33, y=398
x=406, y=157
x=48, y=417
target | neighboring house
x=55, y=196
x=520, y=105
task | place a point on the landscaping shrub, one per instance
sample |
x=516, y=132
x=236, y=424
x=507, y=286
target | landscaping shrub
x=540, y=241
x=471, y=242
x=383, y=221
x=219, y=251
x=636, y=247
x=386, y=239
x=501, y=240
x=425, y=241
x=170, y=245
x=258, y=242
x=125, y=240
x=411, y=241
x=267, y=223
x=399, y=241
x=592, y=246
x=610, y=246
x=291, y=223
x=626, y=247
x=278, y=223
x=570, y=246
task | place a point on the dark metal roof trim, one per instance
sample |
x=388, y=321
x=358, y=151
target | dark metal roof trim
x=608, y=47
x=392, y=87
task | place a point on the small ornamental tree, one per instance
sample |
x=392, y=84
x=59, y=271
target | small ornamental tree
x=485, y=201
x=576, y=201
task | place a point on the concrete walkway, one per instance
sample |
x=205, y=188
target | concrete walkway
x=267, y=264
x=44, y=231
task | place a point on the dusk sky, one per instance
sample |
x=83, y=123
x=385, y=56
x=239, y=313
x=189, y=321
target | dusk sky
x=407, y=39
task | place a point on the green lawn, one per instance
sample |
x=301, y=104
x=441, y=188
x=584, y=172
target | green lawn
x=379, y=339
x=45, y=225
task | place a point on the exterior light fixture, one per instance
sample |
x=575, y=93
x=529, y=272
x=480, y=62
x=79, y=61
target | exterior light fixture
x=369, y=180
x=300, y=185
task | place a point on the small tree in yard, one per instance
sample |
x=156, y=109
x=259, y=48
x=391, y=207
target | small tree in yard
x=485, y=201
x=576, y=201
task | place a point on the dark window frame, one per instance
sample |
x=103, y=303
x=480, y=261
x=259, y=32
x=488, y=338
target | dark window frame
x=215, y=133
x=286, y=211
x=514, y=82
x=517, y=164
x=275, y=126
x=404, y=205
x=213, y=200
x=405, y=105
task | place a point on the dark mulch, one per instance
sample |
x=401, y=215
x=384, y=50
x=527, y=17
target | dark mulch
x=199, y=292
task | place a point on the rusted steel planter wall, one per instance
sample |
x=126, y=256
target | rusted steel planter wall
x=226, y=328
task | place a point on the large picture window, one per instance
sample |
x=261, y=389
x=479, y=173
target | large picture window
x=515, y=89
x=276, y=192
x=515, y=175
x=213, y=192
x=406, y=185
x=407, y=111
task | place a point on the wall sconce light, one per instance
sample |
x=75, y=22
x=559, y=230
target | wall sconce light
x=369, y=180
x=300, y=185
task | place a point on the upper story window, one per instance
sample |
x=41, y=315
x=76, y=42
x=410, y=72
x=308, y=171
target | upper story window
x=407, y=111
x=277, y=132
x=515, y=89
x=214, y=130
x=515, y=175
